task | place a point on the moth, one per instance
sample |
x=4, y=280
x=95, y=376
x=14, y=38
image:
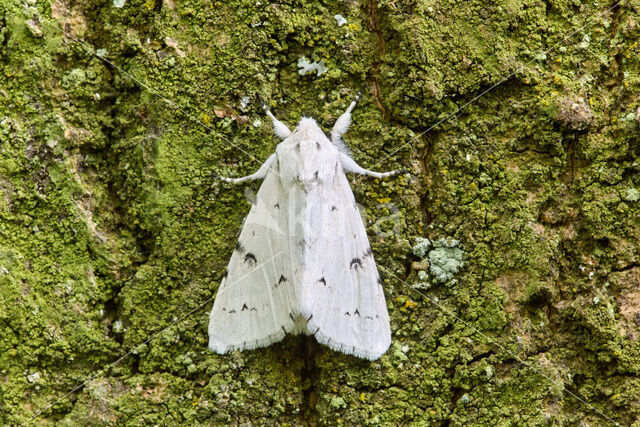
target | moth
x=303, y=263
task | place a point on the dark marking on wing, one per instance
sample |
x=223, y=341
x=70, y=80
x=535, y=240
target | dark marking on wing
x=321, y=280
x=356, y=263
x=239, y=248
x=281, y=280
x=244, y=307
x=315, y=175
x=368, y=317
x=318, y=145
x=356, y=312
x=346, y=313
x=292, y=317
x=224, y=308
x=298, y=146
x=254, y=309
x=226, y=273
x=368, y=252
x=277, y=206
x=317, y=330
x=333, y=208
x=250, y=259
x=253, y=233
x=232, y=311
x=310, y=317
x=283, y=329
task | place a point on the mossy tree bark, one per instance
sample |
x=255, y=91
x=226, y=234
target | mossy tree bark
x=112, y=229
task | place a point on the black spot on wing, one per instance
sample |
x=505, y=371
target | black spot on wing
x=244, y=307
x=277, y=206
x=356, y=263
x=315, y=175
x=281, y=280
x=232, y=311
x=239, y=248
x=347, y=314
x=333, y=208
x=322, y=280
x=356, y=312
x=310, y=317
x=368, y=252
x=250, y=259
x=292, y=317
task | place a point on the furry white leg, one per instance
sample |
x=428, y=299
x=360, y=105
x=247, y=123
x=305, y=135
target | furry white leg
x=342, y=125
x=260, y=173
x=280, y=129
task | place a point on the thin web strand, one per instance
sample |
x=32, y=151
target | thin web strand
x=491, y=340
x=171, y=103
x=130, y=352
x=504, y=79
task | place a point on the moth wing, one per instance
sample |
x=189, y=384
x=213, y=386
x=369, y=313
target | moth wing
x=255, y=302
x=342, y=297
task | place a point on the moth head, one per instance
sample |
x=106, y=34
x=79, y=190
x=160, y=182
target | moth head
x=308, y=125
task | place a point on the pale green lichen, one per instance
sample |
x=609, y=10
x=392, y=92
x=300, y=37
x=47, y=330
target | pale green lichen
x=340, y=20
x=445, y=259
x=306, y=67
x=421, y=247
x=632, y=195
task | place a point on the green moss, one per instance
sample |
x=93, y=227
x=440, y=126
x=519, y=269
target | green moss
x=111, y=227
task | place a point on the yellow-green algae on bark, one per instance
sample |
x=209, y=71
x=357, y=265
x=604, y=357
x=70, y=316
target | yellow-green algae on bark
x=111, y=227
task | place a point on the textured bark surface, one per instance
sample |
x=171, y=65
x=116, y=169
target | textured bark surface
x=112, y=230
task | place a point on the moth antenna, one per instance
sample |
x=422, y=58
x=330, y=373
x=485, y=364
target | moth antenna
x=342, y=125
x=280, y=129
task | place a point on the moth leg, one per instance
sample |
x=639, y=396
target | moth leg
x=280, y=129
x=259, y=174
x=342, y=125
x=349, y=165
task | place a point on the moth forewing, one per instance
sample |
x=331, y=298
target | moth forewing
x=303, y=262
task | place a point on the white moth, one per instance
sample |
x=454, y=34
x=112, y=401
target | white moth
x=303, y=263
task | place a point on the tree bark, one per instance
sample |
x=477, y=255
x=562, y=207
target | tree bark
x=519, y=124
